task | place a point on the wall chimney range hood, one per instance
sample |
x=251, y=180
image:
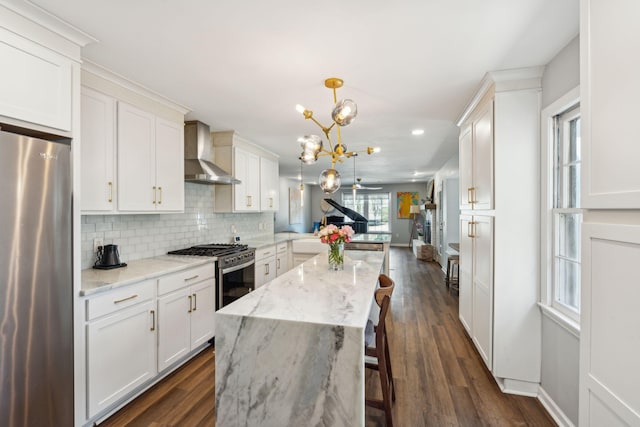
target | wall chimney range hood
x=198, y=157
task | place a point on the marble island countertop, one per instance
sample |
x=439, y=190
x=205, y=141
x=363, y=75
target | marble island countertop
x=312, y=293
x=94, y=280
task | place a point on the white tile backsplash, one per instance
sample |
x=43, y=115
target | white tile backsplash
x=148, y=235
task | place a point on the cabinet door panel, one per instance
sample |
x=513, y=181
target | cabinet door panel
x=240, y=166
x=483, y=159
x=169, y=165
x=465, y=304
x=173, y=327
x=113, y=370
x=483, y=287
x=36, y=87
x=465, y=166
x=203, y=314
x=98, y=151
x=136, y=159
x=269, y=200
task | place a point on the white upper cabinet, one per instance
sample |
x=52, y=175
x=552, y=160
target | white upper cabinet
x=246, y=167
x=269, y=185
x=150, y=162
x=36, y=88
x=610, y=89
x=255, y=168
x=476, y=160
x=169, y=165
x=98, y=152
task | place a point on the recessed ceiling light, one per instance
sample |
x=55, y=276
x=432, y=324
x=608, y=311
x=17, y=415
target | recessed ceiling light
x=417, y=132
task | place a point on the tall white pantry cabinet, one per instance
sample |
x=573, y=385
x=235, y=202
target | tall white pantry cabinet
x=499, y=226
x=609, y=318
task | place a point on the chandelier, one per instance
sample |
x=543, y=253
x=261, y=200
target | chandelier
x=344, y=112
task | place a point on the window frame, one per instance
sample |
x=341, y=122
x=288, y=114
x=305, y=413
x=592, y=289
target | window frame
x=560, y=313
x=371, y=192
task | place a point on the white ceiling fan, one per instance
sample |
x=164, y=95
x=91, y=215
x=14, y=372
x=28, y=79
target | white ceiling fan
x=357, y=185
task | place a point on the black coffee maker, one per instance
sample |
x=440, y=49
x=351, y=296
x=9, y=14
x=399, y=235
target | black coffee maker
x=108, y=257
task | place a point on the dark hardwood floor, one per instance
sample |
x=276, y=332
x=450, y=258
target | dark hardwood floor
x=440, y=379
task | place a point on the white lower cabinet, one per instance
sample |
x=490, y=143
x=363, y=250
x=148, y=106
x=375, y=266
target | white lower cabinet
x=121, y=344
x=186, y=307
x=265, y=265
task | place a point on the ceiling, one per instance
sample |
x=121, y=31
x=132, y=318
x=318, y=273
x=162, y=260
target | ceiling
x=244, y=65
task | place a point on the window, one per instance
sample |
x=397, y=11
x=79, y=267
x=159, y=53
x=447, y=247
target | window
x=566, y=215
x=373, y=206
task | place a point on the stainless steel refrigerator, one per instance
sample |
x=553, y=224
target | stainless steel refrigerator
x=36, y=301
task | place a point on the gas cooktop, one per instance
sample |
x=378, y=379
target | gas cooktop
x=211, y=250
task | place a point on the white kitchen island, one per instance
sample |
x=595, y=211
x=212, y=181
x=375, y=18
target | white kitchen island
x=291, y=353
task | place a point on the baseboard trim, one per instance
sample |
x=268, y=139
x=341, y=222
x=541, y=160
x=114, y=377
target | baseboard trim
x=553, y=409
x=521, y=388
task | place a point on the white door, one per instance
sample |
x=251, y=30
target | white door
x=253, y=182
x=483, y=159
x=121, y=354
x=465, y=293
x=265, y=271
x=282, y=263
x=174, y=316
x=202, y=312
x=482, y=329
x=465, y=163
x=136, y=159
x=240, y=167
x=269, y=185
x=169, y=165
x=98, y=151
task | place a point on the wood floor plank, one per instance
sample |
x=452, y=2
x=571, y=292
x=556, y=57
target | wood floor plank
x=439, y=376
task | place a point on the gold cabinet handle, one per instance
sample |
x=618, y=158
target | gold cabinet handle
x=195, y=302
x=118, y=301
x=471, y=229
x=248, y=201
x=110, y=191
x=160, y=191
x=270, y=202
x=278, y=263
x=266, y=269
x=471, y=195
x=192, y=277
x=154, y=195
x=190, y=304
x=153, y=320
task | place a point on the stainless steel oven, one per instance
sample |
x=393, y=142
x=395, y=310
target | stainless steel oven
x=235, y=275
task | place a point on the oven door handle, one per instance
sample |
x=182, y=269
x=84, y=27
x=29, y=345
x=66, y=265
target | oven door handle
x=238, y=267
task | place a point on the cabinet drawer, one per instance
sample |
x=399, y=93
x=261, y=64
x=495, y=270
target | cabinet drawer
x=119, y=298
x=265, y=252
x=184, y=278
x=281, y=247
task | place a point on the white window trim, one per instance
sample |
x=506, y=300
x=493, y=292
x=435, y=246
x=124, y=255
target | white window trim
x=546, y=216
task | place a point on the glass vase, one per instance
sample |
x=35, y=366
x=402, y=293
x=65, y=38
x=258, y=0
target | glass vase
x=336, y=256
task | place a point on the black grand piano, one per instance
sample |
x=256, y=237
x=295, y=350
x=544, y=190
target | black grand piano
x=359, y=224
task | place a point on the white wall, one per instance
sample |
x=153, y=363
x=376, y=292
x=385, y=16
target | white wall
x=561, y=74
x=144, y=236
x=560, y=349
x=400, y=228
x=282, y=216
x=448, y=172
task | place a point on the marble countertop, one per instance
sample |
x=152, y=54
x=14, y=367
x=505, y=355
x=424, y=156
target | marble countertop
x=94, y=280
x=311, y=293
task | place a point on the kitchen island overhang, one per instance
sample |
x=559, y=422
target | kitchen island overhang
x=291, y=352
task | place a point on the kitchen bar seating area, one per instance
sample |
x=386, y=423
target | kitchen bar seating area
x=439, y=376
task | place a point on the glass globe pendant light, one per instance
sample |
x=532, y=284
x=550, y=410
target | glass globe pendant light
x=329, y=181
x=344, y=112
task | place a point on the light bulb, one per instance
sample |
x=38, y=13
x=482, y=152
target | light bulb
x=329, y=181
x=300, y=109
x=344, y=112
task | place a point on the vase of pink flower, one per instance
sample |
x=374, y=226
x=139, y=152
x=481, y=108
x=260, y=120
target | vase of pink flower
x=336, y=238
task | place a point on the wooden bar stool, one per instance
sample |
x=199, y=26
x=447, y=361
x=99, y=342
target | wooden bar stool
x=453, y=266
x=377, y=349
